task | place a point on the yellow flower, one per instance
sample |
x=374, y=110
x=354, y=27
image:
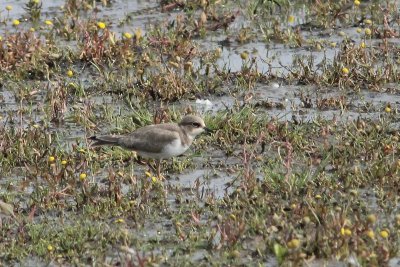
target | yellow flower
x=387, y=109
x=244, y=55
x=368, y=21
x=362, y=45
x=8, y=8
x=48, y=22
x=384, y=234
x=154, y=179
x=51, y=159
x=359, y=30
x=127, y=35
x=101, y=25
x=345, y=231
x=291, y=19
x=294, y=243
x=138, y=34
x=32, y=29
x=345, y=70
x=64, y=162
x=148, y=174
x=70, y=73
x=357, y=2
x=371, y=218
x=50, y=248
x=318, y=196
x=333, y=44
x=82, y=177
x=15, y=22
x=35, y=2
x=120, y=220
x=371, y=234
x=368, y=31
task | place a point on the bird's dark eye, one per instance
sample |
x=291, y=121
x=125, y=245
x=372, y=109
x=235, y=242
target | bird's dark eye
x=196, y=124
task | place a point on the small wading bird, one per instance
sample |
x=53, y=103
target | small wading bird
x=157, y=141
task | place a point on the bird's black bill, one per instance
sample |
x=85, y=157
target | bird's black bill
x=208, y=130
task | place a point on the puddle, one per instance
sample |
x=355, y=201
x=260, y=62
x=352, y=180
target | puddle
x=204, y=182
x=139, y=12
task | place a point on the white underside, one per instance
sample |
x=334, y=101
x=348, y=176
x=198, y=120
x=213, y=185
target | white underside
x=171, y=150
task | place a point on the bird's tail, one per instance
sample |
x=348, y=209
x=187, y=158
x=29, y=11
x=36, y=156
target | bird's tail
x=104, y=140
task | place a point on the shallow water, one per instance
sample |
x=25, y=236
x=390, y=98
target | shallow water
x=275, y=99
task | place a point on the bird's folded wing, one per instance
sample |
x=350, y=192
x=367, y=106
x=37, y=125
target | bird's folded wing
x=148, y=139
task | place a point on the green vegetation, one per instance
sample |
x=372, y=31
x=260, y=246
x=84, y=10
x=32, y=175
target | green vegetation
x=303, y=165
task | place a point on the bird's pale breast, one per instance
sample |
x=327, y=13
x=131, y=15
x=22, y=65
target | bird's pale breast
x=175, y=148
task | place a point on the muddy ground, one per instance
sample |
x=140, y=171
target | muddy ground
x=302, y=167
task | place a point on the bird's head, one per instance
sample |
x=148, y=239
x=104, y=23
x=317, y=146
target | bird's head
x=193, y=125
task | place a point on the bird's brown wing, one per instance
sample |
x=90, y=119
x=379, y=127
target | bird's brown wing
x=151, y=139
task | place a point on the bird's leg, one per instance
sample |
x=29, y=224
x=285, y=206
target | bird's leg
x=158, y=162
x=158, y=168
x=151, y=167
